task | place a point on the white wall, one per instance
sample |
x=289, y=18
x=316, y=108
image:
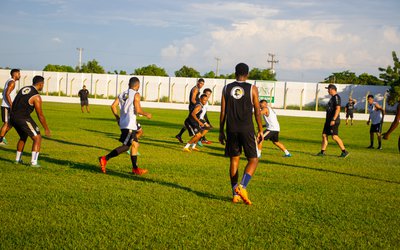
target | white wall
x=177, y=89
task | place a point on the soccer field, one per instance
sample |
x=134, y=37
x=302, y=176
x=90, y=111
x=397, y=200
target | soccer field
x=185, y=199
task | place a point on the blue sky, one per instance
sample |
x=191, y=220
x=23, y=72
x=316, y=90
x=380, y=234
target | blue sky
x=311, y=39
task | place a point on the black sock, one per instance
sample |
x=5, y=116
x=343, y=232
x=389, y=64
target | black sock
x=379, y=144
x=344, y=151
x=1, y=139
x=134, y=160
x=322, y=151
x=181, y=132
x=112, y=154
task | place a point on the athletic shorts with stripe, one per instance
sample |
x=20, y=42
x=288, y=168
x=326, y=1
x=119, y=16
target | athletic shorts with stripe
x=25, y=127
x=271, y=135
x=236, y=142
x=376, y=128
x=5, y=114
x=128, y=136
x=193, y=128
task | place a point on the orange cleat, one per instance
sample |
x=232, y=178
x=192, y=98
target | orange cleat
x=139, y=171
x=236, y=199
x=240, y=190
x=103, y=163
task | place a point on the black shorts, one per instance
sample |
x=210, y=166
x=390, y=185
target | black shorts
x=193, y=127
x=25, y=127
x=128, y=136
x=5, y=114
x=84, y=102
x=349, y=114
x=236, y=141
x=331, y=130
x=376, y=128
x=271, y=135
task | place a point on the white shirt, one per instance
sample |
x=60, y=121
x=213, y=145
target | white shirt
x=203, y=111
x=272, y=120
x=127, y=110
x=12, y=94
x=374, y=114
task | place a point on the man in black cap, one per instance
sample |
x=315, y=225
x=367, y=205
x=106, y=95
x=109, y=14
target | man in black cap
x=332, y=122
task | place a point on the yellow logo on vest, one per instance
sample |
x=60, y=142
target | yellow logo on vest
x=237, y=92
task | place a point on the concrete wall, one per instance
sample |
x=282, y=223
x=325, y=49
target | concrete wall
x=176, y=89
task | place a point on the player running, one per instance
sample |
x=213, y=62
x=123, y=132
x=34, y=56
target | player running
x=349, y=110
x=273, y=128
x=332, y=122
x=129, y=103
x=204, y=118
x=194, y=99
x=393, y=126
x=195, y=126
x=27, y=100
x=9, y=94
x=376, y=114
x=239, y=100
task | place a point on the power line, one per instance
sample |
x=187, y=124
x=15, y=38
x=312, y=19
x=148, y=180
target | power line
x=272, y=61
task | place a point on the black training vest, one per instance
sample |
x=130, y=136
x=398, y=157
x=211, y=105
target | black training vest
x=191, y=105
x=239, y=107
x=21, y=107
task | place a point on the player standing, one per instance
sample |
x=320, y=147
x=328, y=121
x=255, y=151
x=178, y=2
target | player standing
x=393, y=126
x=349, y=110
x=129, y=103
x=195, y=126
x=9, y=94
x=84, y=96
x=204, y=118
x=332, y=122
x=273, y=128
x=376, y=114
x=194, y=99
x=27, y=100
x=239, y=100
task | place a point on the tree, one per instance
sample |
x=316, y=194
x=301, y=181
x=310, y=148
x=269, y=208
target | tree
x=58, y=68
x=391, y=77
x=345, y=77
x=367, y=79
x=264, y=74
x=92, y=67
x=150, y=70
x=210, y=74
x=186, y=71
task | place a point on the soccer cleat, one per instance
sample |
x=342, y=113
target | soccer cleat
x=186, y=150
x=321, y=154
x=206, y=142
x=240, y=190
x=380, y=148
x=103, y=163
x=236, y=199
x=139, y=171
x=37, y=165
x=196, y=149
x=370, y=147
x=344, y=154
x=288, y=155
x=3, y=143
x=179, y=138
x=200, y=144
x=18, y=162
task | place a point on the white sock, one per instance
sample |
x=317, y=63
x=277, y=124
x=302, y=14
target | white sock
x=194, y=145
x=187, y=145
x=35, y=156
x=19, y=156
x=286, y=152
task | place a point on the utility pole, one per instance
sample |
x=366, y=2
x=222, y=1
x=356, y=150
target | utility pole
x=80, y=57
x=272, y=61
x=217, y=71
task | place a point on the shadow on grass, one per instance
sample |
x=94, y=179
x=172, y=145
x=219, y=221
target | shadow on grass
x=73, y=143
x=96, y=169
x=329, y=171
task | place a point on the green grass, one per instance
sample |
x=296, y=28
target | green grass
x=184, y=202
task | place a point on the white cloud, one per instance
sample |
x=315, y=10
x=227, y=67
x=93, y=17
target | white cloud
x=56, y=40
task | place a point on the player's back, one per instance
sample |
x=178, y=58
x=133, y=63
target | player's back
x=271, y=120
x=127, y=110
x=21, y=107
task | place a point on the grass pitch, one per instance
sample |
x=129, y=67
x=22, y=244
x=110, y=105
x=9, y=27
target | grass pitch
x=184, y=201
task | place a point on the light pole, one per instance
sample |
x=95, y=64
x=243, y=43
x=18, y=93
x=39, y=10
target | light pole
x=217, y=71
x=80, y=57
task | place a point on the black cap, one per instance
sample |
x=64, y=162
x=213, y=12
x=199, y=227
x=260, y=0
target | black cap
x=331, y=86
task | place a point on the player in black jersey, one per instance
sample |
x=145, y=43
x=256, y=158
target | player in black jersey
x=349, y=110
x=195, y=126
x=194, y=99
x=27, y=100
x=332, y=122
x=238, y=102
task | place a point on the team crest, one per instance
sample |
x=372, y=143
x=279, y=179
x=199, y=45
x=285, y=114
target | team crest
x=26, y=90
x=237, y=92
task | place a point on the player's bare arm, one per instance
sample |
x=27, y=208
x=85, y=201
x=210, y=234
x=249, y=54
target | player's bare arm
x=10, y=88
x=257, y=114
x=139, y=109
x=222, y=118
x=193, y=97
x=394, y=124
x=37, y=103
x=114, y=109
x=336, y=115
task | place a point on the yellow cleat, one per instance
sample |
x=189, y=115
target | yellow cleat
x=196, y=149
x=240, y=190
x=186, y=150
x=236, y=199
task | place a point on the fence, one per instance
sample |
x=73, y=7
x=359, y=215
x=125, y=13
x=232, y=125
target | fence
x=176, y=89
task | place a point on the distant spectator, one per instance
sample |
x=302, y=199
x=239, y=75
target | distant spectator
x=84, y=94
x=349, y=110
